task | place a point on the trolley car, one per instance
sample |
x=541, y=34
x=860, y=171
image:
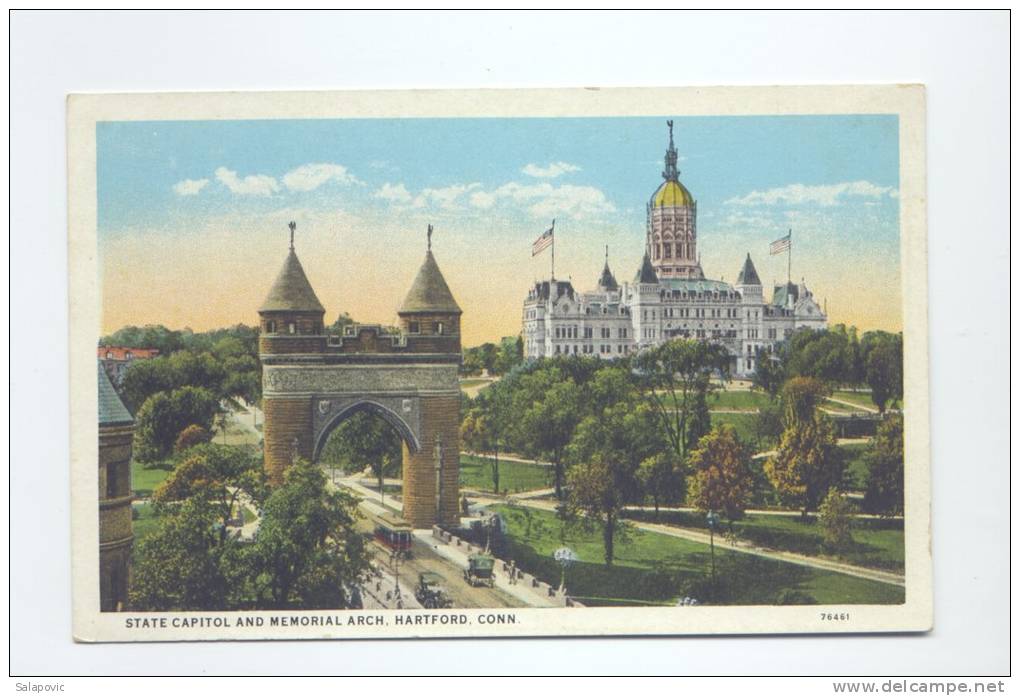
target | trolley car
x=393, y=532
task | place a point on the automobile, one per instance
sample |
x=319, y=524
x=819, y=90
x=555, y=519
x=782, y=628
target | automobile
x=479, y=570
x=430, y=593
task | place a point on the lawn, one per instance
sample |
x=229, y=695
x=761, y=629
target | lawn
x=830, y=405
x=856, y=464
x=652, y=568
x=144, y=480
x=738, y=400
x=144, y=521
x=743, y=423
x=856, y=397
x=514, y=477
x=878, y=543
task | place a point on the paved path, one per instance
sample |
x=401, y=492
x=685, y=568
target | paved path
x=883, y=576
x=508, y=458
x=859, y=407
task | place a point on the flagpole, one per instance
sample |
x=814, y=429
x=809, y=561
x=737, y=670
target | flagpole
x=552, y=229
x=789, y=256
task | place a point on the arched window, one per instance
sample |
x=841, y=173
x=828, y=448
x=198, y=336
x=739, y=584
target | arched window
x=439, y=328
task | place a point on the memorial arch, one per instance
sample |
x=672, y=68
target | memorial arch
x=314, y=380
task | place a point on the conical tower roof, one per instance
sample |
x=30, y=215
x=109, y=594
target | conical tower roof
x=291, y=291
x=646, y=274
x=112, y=410
x=748, y=275
x=608, y=280
x=429, y=292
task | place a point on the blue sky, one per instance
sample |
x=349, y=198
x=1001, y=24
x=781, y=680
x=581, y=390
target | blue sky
x=495, y=183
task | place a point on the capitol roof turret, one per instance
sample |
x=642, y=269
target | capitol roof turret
x=646, y=274
x=748, y=275
x=671, y=193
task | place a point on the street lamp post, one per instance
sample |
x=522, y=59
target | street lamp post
x=712, y=518
x=565, y=557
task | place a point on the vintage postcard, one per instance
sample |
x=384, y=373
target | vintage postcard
x=499, y=363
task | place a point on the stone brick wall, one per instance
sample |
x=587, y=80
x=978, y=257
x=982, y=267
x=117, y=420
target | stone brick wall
x=440, y=417
x=286, y=418
x=281, y=344
x=115, y=529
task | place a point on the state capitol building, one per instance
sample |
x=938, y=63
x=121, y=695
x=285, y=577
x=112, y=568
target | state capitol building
x=670, y=297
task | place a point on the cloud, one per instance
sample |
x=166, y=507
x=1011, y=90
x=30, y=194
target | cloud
x=394, y=193
x=309, y=177
x=446, y=198
x=253, y=185
x=553, y=170
x=545, y=200
x=830, y=194
x=189, y=187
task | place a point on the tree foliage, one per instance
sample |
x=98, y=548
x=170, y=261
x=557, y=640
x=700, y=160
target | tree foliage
x=835, y=517
x=307, y=552
x=675, y=378
x=164, y=415
x=364, y=441
x=807, y=463
x=884, y=494
x=191, y=436
x=722, y=477
x=548, y=406
x=882, y=357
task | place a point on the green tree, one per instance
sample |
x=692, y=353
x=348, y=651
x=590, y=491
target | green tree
x=607, y=450
x=178, y=567
x=807, y=463
x=307, y=552
x=165, y=414
x=364, y=441
x=835, y=517
x=829, y=355
x=477, y=436
x=660, y=479
x=882, y=354
x=769, y=374
x=509, y=355
x=723, y=480
x=675, y=378
x=548, y=406
x=884, y=494
x=191, y=436
x=220, y=474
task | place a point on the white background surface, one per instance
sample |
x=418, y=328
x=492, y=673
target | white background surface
x=962, y=58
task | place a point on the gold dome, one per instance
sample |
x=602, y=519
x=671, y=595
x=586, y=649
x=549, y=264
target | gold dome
x=672, y=193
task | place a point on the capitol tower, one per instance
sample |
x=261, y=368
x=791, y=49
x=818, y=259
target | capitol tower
x=672, y=229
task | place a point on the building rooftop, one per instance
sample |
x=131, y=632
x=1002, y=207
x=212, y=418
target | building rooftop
x=671, y=194
x=112, y=410
x=291, y=291
x=748, y=275
x=646, y=274
x=429, y=292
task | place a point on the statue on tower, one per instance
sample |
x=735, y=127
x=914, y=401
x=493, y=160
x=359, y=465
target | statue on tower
x=429, y=233
x=293, y=226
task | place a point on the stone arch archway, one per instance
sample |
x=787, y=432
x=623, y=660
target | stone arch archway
x=373, y=407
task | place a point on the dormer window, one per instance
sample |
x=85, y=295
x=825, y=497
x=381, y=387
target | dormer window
x=291, y=327
x=439, y=328
x=271, y=327
x=413, y=327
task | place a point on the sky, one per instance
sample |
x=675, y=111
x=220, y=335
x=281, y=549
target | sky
x=192, y=215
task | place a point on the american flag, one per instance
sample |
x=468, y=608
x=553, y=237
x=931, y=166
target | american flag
x=779, y=246
x=545, y=240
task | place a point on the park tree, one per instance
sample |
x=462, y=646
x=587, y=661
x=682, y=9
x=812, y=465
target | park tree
x=769, y=374
x=884, y=493
x=509, y=354
x=660, y=479
x=607, y=450
x=807, y=463
x=882, y=357
x=722, y=477
x=145, y=378
x=831, y=356
x=307, y=552
x=549, y=405
x=178, y=566
x=164, y=415
x=477, y=436
x=835, y=517
x=675, y=379
x=220, y=474
x=364, y=442
x=191, y=436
